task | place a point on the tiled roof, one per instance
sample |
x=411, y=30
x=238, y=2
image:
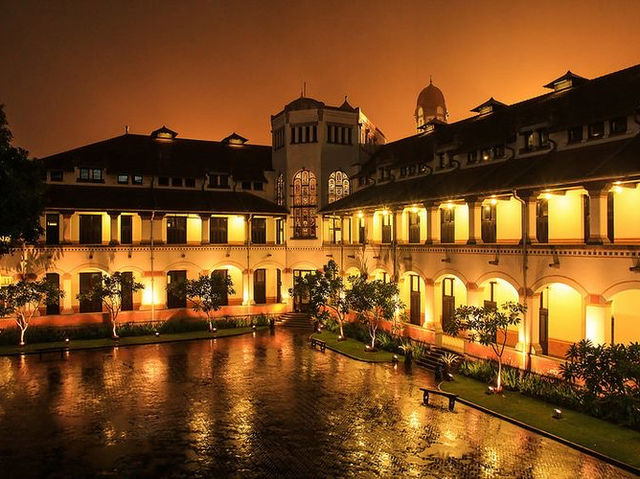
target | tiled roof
x=144, y=155
x=108, y=198
x=605, y=161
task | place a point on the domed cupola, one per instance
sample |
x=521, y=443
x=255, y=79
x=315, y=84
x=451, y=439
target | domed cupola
x=431, y=105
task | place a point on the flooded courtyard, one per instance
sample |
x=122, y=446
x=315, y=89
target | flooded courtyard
x=258, y=405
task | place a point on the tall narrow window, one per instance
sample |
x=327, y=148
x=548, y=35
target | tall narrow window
x=610, y=216
x=176, y=229
x=447, y=225
x=414, y=227
x=489, y=223
x=542, y=220
x=335, y=230
x=386, y=228
x=218, y=230
x=362, y=238
x=280, y=231
x=304, y=203
x=126, y=229
x=90, y=229
x=280, y=189
x=338, y=185
x=259, y=230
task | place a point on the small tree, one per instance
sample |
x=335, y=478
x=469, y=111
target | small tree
x=109, y=291
x=207, y=293
x=326, y=292
x=488, y=326
x=373, y=302
x=23, y=300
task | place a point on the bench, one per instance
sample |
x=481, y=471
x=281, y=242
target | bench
x=60, y=350
x=426, y=392
x=317, y=342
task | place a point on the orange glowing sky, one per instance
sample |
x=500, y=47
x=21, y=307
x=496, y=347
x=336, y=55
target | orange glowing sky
x=77, y=72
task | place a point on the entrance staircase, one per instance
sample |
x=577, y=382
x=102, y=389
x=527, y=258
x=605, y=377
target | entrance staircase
x=296, y=320
x=432, y=358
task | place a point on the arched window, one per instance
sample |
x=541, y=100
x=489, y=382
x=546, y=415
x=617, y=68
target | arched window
x=304, y=203
x=338, y=185
x=280, y=190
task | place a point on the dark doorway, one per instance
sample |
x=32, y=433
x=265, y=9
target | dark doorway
x=53, y=229
x=300, y=302
x=176, y=297
x=260, y=286
x=87, y=281
x=126, y=229
x=488, y=223
x=278, y=286
x=448, y=302
x=415, y=306
x=448, y=225
x=127, y=290
x=223, y=273
x=414, y=227
x=544, y=324
x=53, y=304
x=542, y=220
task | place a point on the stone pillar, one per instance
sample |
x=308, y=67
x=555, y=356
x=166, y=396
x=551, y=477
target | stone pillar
x=431, y=211
x=145, y=234
x=66, y=226
x=597, y=215
x=205, y=226
x=474, y=295
x=530, y=199
x=598, y=320
x=247, y=293
x=532, y=326
x=114, y=216
x=475, y=220
x=156, y=227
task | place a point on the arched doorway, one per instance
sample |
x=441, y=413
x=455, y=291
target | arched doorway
x=560, y=318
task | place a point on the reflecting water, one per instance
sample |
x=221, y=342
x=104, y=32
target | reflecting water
x=251, y=406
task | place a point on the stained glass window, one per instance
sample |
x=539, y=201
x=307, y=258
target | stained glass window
x=303, y=207
x=280, y=190
x=338, y=185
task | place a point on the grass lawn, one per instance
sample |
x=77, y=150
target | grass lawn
x=352, y=348
x=618, y=442
x=77, y=344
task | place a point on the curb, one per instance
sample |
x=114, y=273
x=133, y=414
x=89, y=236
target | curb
x=381, y=361
x=548, y=435
x=96, y=348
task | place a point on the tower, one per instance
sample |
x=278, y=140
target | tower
x=430, y=105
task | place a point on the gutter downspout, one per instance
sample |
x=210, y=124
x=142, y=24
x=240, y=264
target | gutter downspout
x=525, y=288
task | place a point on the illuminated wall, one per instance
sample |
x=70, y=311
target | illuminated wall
x=626, y=214
x=508, y=221
x=459, y=291
x=566, y=313
x=403, y=234
x=626, y=313
x=566, y=217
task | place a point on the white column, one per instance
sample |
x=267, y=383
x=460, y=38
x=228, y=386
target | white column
x=145, y=234
x=66, y=226
x=205, y=226
x=598, y=216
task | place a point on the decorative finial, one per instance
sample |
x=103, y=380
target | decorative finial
x=430, y=80
x=345, y=98
x=126, y=129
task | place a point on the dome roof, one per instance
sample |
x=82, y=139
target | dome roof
x=430, y=98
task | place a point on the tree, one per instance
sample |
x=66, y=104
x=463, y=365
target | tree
x=110, y=290
x=488, y=326
x=21, y=201
x=326, y=292
x=373, y=301
x=24, y=299
x=206, y=294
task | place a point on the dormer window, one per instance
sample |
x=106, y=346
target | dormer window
x=568, y=80
x=136, y=180
x=163, y=181
x=422, y=168
x=529, y=141
x=543, y=138
x=472, y=157
x=190, y=182
x=618, y=126
x=218, y=181
x=164, y=133
x=234, y=139
x=596, y=130
x=123, y=179
x=488, y=106
x=176, y=182
x=412, y=170
x=56, y=175
x=486, y=154
x=258, y=185
x=246, y=185
x=403, y=171
x=498, y=151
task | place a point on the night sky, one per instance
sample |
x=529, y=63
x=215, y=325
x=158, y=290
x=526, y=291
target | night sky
x=77, y=72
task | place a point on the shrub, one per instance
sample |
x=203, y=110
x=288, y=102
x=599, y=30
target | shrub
x=481, y=370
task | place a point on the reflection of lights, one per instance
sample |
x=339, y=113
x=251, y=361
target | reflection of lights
x=449, y=206
x=617, y=188
x=414, y=209
x=385, y=212
x=360, y=214
x=494, y=201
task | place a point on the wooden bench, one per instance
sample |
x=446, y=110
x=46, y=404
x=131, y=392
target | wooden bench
x=426, y=392
x=317, y=342
x=61, y=350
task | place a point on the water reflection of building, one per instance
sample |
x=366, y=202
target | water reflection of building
x=452, y=213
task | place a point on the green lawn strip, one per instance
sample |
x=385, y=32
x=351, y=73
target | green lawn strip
x=615, y=441
x=78, y=344
x=353, y=348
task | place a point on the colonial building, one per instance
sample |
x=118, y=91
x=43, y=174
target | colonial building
x=536, y=202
